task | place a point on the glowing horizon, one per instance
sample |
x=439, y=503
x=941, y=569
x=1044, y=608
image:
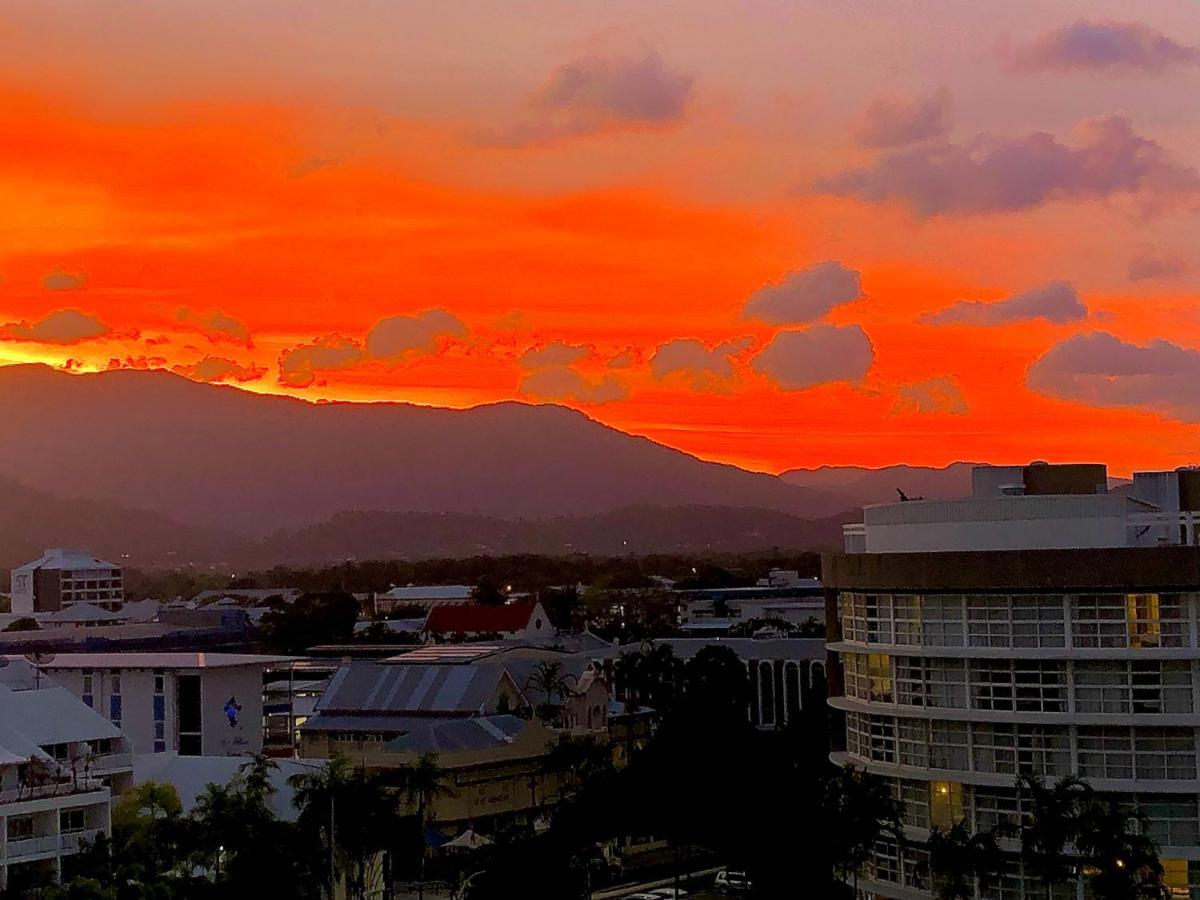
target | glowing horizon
x=777, y=235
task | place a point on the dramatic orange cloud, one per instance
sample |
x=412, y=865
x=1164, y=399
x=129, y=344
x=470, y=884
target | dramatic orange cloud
x=707, y=229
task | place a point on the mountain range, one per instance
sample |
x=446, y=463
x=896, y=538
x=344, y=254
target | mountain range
x=165, y=470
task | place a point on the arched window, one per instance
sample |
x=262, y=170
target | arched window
x=766, y=684
x=791, y=686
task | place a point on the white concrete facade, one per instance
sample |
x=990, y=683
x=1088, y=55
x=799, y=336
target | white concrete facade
x=192, y=704
x=60, y=765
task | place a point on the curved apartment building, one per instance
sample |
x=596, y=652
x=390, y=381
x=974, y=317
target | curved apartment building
x=954, y=671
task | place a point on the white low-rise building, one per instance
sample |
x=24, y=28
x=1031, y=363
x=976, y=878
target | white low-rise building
x=193, y=704
x=60, y=765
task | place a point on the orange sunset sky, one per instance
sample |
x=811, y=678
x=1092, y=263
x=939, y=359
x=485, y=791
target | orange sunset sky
x=776, y=234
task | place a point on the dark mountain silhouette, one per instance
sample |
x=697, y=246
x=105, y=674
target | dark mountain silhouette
x=32, y=520
x=857, y=486
x=634, y=530
x=248, y=463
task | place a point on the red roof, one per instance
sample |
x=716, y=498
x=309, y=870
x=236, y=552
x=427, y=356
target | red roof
x=476, y=618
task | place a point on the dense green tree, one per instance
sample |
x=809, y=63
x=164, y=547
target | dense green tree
x=1119, y=855
x=353, y=816
x=857, y=811
x=1050, y=826
x=322, y=618
x=960, y=859
x=550, y=681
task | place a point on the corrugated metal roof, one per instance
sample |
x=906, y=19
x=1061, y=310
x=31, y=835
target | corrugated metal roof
x=449, y=735
x=365, y=687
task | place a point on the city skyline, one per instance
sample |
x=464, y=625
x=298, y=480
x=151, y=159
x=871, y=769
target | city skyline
x=771, y=234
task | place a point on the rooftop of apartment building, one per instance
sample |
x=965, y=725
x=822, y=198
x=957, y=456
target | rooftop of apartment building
x=68, y=559
x=1038, y=506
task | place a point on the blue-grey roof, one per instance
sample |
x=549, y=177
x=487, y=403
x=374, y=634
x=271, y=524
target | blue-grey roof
x=365, y=687
x=448, y=735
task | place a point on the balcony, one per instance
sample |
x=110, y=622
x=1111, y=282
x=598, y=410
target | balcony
x=72, y=841
x=15, y=851
x=46, y=791
x=112, y=762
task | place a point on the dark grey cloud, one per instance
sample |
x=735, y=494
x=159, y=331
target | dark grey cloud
x=556, y=353
x=934, y=395
x=216, y=325
x=562, y=383
x=804, y=296
x=1149, y=264
x=214, y=369
x=301, y=366
x=894, y=122
x=990, y=174
x=398, y=336
x=1104, y=46
x=1102, y=370
x=707, y=368
x=63, y=326
x=796, y=360
x=65, y=280
x=597, y=94
x=1056, y=302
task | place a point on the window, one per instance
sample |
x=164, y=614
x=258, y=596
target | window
x=1038, y=622
x=1102, y=688
x=854, y=617
x=1164, y=753
x=1138, y=686
x=159, y=703
x=913, y=797
x=20, y=827
x=114, y=700
x=935, y=683
x=995, y=807
x=912, y=742
x=1105, y=752
x=879, y=618
x=89, y=696
x=942, y=620
x=879, y=678
x=1171, y=818
x=71, y=821
x=906, y=612
x=992, y=684
x=988, y=621
x=1099, y=620
x=1161, y=687
x=883, y=739
x=948, y=746
x=1157, y=620
x=1040, y=686
x=886, y=860
x=945, y=803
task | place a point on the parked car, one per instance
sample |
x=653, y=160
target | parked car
x=668, y=893
x=732, y=881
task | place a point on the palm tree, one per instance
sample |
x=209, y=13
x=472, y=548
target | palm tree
x=1051, y=825
x=353, y=814
x=423, y=782
x=550, y=680
x=858, y=809
x=1121, y=857
x=959, y=859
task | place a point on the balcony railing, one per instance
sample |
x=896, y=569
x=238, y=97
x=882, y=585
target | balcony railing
x=72, y=841
x=57, y=789
x=112, y=761
x=34, y=846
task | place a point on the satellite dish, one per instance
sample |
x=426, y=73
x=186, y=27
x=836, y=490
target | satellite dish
x=39, y=659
